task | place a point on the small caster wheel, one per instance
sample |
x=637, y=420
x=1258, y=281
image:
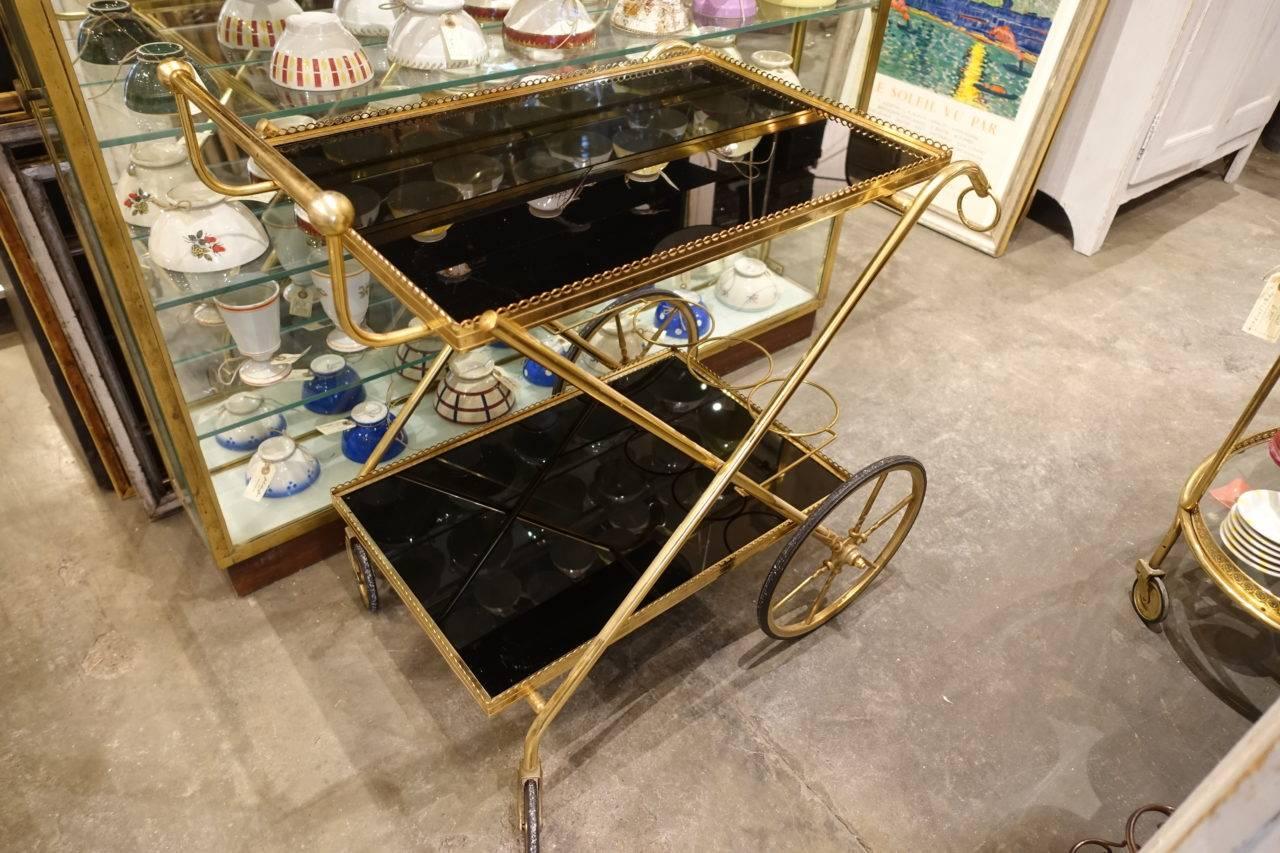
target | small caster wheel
x=366, y=578
x=530, y=817
x=1150, y=600
x=840, y=548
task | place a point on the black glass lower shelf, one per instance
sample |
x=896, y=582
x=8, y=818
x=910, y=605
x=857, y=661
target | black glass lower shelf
x=520, y=543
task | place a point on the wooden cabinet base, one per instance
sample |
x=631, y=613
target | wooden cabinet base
x=325, y=541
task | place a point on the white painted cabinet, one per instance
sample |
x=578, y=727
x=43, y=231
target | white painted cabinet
x=1171, y=86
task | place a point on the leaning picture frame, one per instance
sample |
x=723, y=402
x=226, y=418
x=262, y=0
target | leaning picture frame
x=990, y=79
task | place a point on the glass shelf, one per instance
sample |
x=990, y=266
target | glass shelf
x=247, y=519
x=1256, y=469
x=254, y=97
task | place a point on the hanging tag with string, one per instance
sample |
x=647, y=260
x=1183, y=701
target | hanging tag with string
x=302, y=300
x=259, y=480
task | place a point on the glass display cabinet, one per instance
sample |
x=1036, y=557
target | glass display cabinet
x=223, y=302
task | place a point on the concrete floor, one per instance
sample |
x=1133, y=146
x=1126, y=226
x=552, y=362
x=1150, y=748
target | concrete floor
x=993, y=692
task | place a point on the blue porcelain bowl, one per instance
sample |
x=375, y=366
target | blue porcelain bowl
x=676, y=329
x=333, y=387
x=372, y=421
x=537, y=374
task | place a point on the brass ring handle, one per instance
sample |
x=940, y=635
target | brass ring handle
x=969, y=223
x=776, y=428
x=693, y=360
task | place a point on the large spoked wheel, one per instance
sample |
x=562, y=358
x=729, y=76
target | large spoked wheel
x=366, y=578
x=841, y=547
x=530, y=817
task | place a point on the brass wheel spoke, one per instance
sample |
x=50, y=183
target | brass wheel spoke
x=871, y=500
x=825, y=567
x=822, y=594
x=897, y=508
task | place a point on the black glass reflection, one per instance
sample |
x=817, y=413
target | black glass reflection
x=489, y=204
x=513, y=591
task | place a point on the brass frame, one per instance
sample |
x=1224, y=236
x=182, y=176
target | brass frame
x=1258, y=601
x=332, y=215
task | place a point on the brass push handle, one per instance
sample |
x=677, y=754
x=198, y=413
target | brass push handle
x=329, y=212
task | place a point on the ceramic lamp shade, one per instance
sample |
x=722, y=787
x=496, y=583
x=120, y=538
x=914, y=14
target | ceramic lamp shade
x=107, y=38
x=473, y=391
x=155, y=167
x=434, y=35
x=723, y=12
x=292, y=468
x=366, y=17
x=204, y=232
x=254, y=24
x=548, y=30
x=650, y=17
x=317, y=54
x=252, y=315
x=359, y=283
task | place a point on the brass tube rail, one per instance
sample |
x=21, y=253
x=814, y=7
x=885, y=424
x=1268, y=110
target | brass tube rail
x=329, y=212
x=726, y=472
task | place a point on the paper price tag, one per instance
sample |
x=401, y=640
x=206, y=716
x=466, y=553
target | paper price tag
x=286, y=358
x=301, y=302
x=259, y=480
x=1264, y=320
x=298, y=375
x=335, y=426
x=456, y=42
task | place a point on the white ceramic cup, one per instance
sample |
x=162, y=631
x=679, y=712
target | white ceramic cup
x=359, y=282
x=252, y=315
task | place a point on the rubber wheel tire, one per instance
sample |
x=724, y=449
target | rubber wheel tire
x=366, y=578
x=531, y=819
x=811, y=523
x=1155, y=608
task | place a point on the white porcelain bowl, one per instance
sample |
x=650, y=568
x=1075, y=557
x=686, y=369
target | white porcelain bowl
x=317, y=54
x=433, y=35
x=366, y=17
x=293, y=468
x=254, y=24
x=245, y=436
x=749, y=285
x=155, y=167
x=205, y=232
x=650, y=17
x=547, y=30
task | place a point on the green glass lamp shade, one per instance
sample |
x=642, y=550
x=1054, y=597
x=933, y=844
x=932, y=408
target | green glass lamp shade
x=111, y=32
x=143, y=91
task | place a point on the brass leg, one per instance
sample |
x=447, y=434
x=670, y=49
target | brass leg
x=1191, y=497
x=407, y=410
x=521, y=340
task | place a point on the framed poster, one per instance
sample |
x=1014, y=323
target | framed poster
x=990, y=78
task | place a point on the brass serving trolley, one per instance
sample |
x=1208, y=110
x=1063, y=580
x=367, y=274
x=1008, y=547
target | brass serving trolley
x=1240, y=460
x=526, y=547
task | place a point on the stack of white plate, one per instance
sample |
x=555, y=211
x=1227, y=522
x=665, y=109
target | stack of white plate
x=1251, y=531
